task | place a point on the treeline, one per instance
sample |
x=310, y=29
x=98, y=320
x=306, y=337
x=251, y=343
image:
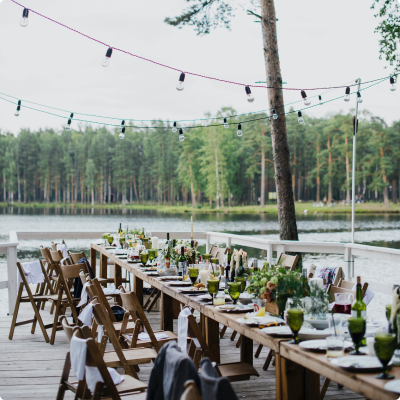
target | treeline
x=211, y=166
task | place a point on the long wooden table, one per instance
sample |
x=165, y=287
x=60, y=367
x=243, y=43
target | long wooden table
x=297, y=371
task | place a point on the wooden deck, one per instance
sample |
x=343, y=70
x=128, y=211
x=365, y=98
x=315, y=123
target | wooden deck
x=31, y=368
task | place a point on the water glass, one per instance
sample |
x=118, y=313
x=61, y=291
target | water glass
x=144, y=257
x=357, y=327
x=295, y=317
x=334, y=346
x=213, y=286
x=385, y=344
x=259, y=307
x=219, y=299
x=234, y=291
x=242, y=280
x=193, y=273
x=152, y=255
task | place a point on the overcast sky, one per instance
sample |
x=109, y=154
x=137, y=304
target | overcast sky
x=321, y=43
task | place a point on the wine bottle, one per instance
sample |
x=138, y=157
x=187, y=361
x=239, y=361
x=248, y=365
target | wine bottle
x=143, y=234
x=182, y=262
x=120, y=228
x=193, y=257
x=227, y=269
x=241, y=271
x=166, y=258
x=358, y=309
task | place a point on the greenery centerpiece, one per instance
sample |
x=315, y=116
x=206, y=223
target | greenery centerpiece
x=175, y=252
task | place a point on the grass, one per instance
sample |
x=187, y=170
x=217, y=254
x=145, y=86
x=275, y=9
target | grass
x=301, y=207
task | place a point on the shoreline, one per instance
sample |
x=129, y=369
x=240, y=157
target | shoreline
x=301, y=208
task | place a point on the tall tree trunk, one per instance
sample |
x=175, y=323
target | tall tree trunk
x=262, y=203
x=25, y=194
x=19, y=187
x=394, y=191
x=222, y=187
x=283, y=176
x=294, y=170
x=4, y=187
x=318, y=177
x=109, y=188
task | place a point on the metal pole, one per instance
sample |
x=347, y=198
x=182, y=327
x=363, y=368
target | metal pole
x=353, y=175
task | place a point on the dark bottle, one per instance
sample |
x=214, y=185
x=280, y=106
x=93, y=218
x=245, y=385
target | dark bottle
x=227, y=268
x=241, y=271
x=182, y=262
x=359, y=309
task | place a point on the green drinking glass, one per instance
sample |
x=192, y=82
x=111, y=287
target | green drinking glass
x=206, y=257
x=388, y=309
x=234, y=291
x=121, y=241
x=295, y=318
x=110, y=239
x=144, y=257
x=152, y=255
x=242, y=280
x=213, y=286
x=193, y=274
x=385, y=344
x=357, y=328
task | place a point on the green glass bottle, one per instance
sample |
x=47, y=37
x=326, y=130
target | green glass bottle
x=359, y=309
x=241, y=271
x=182, y=262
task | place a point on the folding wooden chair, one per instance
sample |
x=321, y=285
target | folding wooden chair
x=129, y=388
x=132, y=305
x=289, y=262
x=349, y=285
x=191, y=392
x=126, y=358
x=236, y=371
x=35, y=299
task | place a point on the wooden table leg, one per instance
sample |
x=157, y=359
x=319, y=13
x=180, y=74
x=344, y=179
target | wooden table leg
x=292, y=380
x=93, y=253
x=278, y=380
x=246, y=350
x=212, y=339
x=138, y=288
x=311, y=385
x=103, y=268
x=167, y=320
x=118, y=281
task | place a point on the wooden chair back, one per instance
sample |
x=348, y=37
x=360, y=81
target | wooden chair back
x=97, y=291
x=54, y=246
x=289, y=262
x=349, y=285
x=44, y=251
x=132, y=305
x=56, y=255
x=75, y=257
x=191, y=392
x=68, y=329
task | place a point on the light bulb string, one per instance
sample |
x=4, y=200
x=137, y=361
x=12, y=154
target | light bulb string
x=151, y=120
x=187, y=127
x=179, y=70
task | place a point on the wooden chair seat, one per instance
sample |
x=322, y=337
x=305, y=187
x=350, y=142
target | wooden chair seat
x=133, y=396
x=130, y=384
x=237, y=371
x=129, y=328
x=134, y=356
x=149, y=343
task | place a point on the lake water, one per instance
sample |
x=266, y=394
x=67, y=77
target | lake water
x=377, y=230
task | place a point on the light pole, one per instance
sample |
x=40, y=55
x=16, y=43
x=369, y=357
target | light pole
x=353, y=175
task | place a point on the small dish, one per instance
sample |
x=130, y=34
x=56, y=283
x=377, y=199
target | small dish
x=358, y=363
x=319, y=345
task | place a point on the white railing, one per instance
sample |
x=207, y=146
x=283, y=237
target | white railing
x=348, y=250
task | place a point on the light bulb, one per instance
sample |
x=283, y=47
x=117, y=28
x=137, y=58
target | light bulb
x=347, y=95
x=181, y=137
x=106, y=60
x=307, y=101
x=174, y=127
x=274, y=114
x=68, y=126
x=24, y=20
x=359, y=98
x=122, y=125
x=250, y=97
x=392, y=84
x=226, y=125
x=18, y=108
x=122, y=134
x=180, y=86
x=320, y=100
x=300, y=119
x=239, y=131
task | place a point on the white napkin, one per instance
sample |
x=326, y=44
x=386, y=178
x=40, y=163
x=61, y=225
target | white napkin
x=63, y=261
x=83, y=295
x=111, y=289
x=86, y=315
x=183, y=329
x=93, y=376
x=369, y=295
x=63, y=248
x=33, y=272
x=100, y=333
x=159, y=336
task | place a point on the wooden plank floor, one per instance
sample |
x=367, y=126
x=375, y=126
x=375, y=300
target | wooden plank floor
x=31, y=368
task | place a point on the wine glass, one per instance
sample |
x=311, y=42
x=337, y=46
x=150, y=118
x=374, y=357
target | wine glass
x=152, y=255
x=295, y=318
x=385, y=344
x=242, y=281
x=144, y=257
x=212, y=286
x=193, y=272
x=357, y=328
x=234, y=291
x=110, y=239
x=121, y=241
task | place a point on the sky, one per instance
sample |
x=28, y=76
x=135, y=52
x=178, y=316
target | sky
x=320, y=43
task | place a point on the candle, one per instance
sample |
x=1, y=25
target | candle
x=191, y=226
x=204, y=276
x=154, y=242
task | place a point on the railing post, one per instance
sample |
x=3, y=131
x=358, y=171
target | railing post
x=349, y=260
x=208, y=243
x=269, y=253
x=12, y=277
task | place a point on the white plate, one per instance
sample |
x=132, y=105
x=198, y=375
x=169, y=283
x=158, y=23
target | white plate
x=283, y=331
x=358, y=363
x=248, y=321
x=324, y=323
x=393, y=386
x=179, y=283
x=233, y=309
x=320, y=345
x=311, y=334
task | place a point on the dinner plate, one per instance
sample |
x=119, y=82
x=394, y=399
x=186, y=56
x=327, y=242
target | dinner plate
x=319, y=345
x=122, y=257
x=393, y=386
x=311, y=334
x=358, y=363
x=279, y=331
x=193, y=290
x=178, y=284
x=233, y=309
x=171, y=278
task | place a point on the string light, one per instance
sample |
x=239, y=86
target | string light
x=347, y=95
x=18, y=108
x=122, y=125
x=226, y=125
x=174, y=127
x=181, y=137
x=68, y=126
x=307, y=101
x=274, y=114
x=122, y=133
x=239, y=131
x=300, y=119
x=359, y=98
x=106, y=60
x=392, y=84
x=320, y=99
x=180, y=86
x=250, y=97
x=24, y=20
